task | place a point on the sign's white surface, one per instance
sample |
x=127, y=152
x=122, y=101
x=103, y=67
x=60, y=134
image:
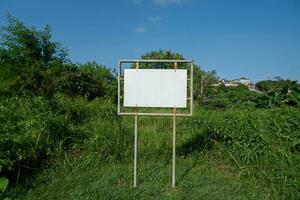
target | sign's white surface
x=164, y=88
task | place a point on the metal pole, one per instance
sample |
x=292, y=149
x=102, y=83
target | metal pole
x=174, y=148
x=174, y=142
x=191, y=89
x=119, y=86
x=135, y=141
x=135, y=151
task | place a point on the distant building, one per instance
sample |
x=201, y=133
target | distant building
x=236, y=82
x=245, y=81
x=229, y=83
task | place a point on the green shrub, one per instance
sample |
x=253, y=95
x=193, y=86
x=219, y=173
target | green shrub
x=23, y=139
x=33, y=128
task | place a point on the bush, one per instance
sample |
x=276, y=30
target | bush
x=23, y=136
x=33, y=128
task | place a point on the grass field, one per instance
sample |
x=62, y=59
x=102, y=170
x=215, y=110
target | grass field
x=238, y=153
x=199, y=176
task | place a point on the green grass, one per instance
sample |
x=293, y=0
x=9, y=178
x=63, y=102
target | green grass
x=199, y=176
x=236, y=153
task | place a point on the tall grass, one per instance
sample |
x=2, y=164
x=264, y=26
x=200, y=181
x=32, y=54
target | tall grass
x=261, y=143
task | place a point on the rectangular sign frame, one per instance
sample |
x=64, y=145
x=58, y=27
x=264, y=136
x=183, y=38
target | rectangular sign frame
x=172, y=114
x=138, y=111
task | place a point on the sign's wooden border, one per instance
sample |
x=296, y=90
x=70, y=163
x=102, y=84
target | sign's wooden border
x=137, y=64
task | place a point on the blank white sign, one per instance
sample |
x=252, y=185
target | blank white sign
x=164, y=88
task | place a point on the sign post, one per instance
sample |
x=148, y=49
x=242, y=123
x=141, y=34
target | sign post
x=156, y=89
x=174, y=148
x=174, y=142
x=135, y=142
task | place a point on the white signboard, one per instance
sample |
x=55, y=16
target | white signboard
x=165, y=88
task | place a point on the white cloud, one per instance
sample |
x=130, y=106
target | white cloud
x=154, y=19
x=168, y=2
x=139, y=29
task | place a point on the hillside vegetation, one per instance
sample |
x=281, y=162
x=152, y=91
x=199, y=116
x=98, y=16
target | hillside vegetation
x=61, y=137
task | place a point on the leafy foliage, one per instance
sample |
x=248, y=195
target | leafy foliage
x=25, y=58
x=89, y=80
x=240, y=96
x=3, y=183
x=31, y=64
x=280, y=85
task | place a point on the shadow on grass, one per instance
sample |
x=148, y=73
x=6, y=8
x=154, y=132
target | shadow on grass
x=197, y=143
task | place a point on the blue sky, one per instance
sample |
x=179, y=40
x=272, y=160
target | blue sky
x=237, y=38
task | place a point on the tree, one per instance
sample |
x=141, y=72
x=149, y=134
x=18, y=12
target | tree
x=27, y=57
x=161, y=55
x=90, y=80
x=30, y=63
x=280, y=85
